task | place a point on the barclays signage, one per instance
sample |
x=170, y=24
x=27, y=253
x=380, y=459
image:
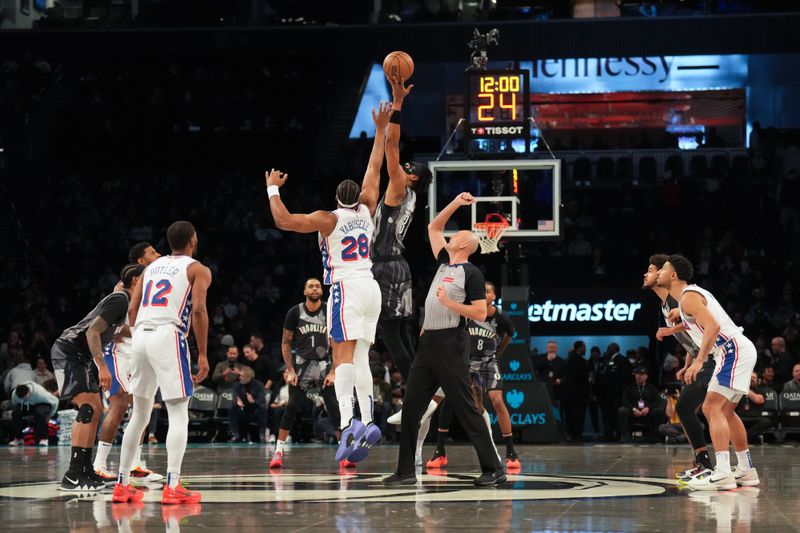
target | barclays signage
x=635, y=73
x=514, y=365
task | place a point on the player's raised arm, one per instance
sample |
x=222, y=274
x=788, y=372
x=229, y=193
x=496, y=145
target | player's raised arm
x=397, y=176
x=321, y=221
x=370, y=187
x=436, y=227
x=200, y=278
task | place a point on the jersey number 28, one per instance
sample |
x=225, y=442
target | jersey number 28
x=159, y=298
x=355, y=247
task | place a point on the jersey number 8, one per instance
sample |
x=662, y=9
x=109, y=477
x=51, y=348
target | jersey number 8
x=159, y=299
x=355, y=247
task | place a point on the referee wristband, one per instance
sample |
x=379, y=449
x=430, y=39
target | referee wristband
x=396, y=116
x=273, y=190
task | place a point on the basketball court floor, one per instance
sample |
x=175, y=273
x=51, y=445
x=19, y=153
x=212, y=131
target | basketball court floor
x=560, y=488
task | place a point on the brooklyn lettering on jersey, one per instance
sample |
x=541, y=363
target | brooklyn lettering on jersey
x=478, y=331
x=361, y=224
x=308, y=329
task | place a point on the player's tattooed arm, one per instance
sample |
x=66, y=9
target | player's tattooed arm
x=397, y=176
x=370, y=187
x=289, y=375
x=96, y=328
x=321, y=221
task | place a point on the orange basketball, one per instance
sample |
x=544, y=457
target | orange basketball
x=398, y=64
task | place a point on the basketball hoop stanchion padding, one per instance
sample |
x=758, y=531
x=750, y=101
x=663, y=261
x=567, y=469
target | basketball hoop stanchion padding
x=490, y=231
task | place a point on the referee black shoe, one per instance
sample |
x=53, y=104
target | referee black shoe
x=80, y=482
x=400, y=479
x=490, y=479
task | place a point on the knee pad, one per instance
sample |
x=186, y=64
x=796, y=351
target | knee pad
x=85, y=414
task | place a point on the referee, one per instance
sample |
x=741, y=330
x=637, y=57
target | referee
x=456, y=294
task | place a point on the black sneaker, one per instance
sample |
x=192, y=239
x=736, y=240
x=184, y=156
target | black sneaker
x=80, y=482
x=400, y=479
x=490, y=479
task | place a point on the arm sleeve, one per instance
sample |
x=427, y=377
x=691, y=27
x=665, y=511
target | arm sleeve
x=114, y=309
x=474, y=284
x=292, y=318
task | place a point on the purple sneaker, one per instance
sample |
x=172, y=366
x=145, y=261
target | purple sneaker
x=349, y=440
x=371, y=436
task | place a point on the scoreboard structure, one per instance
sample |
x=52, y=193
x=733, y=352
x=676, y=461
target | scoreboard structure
x=497, y=112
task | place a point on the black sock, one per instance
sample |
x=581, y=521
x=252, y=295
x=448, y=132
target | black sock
x=704, y=460
x=441, y=440
x=509, y=444
x=80, y=459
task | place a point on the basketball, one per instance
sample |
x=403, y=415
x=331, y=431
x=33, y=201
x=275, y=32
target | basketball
x=398, y=64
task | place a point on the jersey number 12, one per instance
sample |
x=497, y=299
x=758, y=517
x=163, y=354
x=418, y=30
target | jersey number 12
x=159, y=298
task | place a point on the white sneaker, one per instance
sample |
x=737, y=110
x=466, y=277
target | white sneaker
x=396, y=418
x=44, y=443
x=687, y=475
x=747, y=478
x=17, y=442
x=712, y=480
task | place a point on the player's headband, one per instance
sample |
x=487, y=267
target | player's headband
x=349, y=206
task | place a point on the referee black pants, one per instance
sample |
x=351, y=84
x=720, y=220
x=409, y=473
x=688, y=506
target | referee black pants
x=443, y=360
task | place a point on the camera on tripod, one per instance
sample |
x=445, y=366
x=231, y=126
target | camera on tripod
x=479, y=44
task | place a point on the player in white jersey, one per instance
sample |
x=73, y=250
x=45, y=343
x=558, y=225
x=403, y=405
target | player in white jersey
x=712, y=330
x=117, y=355
x=170, y=297
x=354, y=304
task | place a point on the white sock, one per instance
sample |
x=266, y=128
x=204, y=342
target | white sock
x=343, y=384
x=101, y=459
x=177, y=435
x=363, y=380
x=745, y=462
x=173, y=478
x=140, y=417
x=424, y=427
x=432, y=406
x=723, y=462
x=279, y=446
x=137, y=457
x=489, y=425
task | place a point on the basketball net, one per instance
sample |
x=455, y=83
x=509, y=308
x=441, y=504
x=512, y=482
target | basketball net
x=490, y=231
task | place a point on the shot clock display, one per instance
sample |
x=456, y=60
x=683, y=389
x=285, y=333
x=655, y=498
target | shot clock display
x=497, y=111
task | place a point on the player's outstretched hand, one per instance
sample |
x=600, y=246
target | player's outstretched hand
x=464, y=198
x=381, y=117
x=399, y=89
x=674, y=315
x=276, y=177
x=202, y=369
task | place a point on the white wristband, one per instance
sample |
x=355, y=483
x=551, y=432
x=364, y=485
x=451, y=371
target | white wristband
x=273, y=190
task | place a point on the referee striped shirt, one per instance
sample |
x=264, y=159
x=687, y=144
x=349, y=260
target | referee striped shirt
x=464, y=284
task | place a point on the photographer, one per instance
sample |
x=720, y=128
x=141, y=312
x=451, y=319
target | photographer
x=673, y=428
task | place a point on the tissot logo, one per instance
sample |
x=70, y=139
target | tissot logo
x=608, y=311
x=497, y=130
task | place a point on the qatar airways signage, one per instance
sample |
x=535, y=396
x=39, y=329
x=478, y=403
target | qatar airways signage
x=608, y=311
x=637, y=73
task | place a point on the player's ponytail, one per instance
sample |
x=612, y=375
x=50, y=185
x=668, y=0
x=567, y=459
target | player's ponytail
x=347, y=194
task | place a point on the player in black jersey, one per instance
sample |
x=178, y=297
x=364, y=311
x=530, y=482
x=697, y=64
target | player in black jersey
x=76, y=354
x=692, y=395
x=488, y=339
x=392, y=219
x=306, y=368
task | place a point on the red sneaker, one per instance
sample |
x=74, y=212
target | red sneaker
x=344, y=463
x=437, y=462
x=125, y=511
x=179, y=495
x=277, y=460
x=125, y=494
x=176, y=513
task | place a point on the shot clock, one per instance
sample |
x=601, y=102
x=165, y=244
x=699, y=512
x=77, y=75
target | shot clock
x=497, y=111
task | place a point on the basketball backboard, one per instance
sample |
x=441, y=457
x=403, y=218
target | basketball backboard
x=525, y=192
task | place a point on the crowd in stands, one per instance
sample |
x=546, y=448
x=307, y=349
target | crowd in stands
x=121, y=152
